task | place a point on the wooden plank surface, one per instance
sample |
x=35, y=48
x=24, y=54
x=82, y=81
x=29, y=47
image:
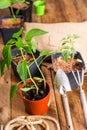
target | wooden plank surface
x=56, y=11
x=5, y=84
x=63, y=11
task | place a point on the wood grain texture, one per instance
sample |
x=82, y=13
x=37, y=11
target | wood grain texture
x=5, y=84
x=63, y=11
x=56, y=11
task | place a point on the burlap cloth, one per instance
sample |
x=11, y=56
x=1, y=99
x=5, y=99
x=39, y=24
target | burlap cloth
x=56, y=31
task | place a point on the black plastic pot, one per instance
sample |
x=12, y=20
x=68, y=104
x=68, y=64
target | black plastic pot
x=70, y=76
x=33, y=68
x=26, y=12
x=8, y=32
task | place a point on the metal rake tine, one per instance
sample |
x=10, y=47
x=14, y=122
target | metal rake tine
x=82, y=94
x=80, y=80
x=83, y=98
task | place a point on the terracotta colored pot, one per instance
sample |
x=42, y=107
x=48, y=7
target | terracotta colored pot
x=37, y=107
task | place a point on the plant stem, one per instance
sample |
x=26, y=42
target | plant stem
x=13, y=13
x=39, y=70
x=32, y=79
x=29, y=72
x=22, y=54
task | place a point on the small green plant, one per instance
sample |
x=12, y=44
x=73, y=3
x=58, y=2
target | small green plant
x=67, y=49
x=8, y=3
x=22, y=68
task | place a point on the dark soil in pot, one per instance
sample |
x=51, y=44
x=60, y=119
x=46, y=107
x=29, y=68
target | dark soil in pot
x=32, y=95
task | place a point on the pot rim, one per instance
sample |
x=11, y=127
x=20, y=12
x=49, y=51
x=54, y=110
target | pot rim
x=20, y=91
x=39, y=3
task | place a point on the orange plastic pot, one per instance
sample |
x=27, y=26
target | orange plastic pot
x=37, y=107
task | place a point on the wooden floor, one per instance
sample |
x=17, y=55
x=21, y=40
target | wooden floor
x=56, y=11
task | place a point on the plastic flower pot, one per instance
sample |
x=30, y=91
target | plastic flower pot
x=33, y=68
x=25, y=12
x=70, y=76
x=39, y=6
x=36, y=107
x=7, y=32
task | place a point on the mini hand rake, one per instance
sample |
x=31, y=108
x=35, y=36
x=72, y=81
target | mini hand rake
x=79, y=81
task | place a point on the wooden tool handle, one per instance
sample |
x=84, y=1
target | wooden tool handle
x=84, y=104
x=67, y=112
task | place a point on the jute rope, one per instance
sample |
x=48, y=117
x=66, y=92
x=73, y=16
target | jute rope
x=30, y=121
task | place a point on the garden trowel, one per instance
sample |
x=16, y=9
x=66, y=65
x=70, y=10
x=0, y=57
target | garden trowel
x=62, y=82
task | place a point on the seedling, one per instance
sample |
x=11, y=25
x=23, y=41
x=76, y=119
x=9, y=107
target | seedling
x=22, y=68
x=67, y=49
x=8, y=3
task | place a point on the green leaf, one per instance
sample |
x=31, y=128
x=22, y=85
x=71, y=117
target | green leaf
x=7, y=55
x=73, y=51
x=11, y=42
x=33, y=33
x=28, y=89
x=17, y=11
x=19, y=43
x=66, y=58
x=2, y=67
x=31, y=47
x=13, y=91
x=38, y=79
x=5, y=4
x=28, y=49
x=74, y=36
x=65, y=42
x=22, y=70
x=44, y=52
x=18, y=34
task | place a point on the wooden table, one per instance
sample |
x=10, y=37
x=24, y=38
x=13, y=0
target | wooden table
x=56, y=11
x=11, y=109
